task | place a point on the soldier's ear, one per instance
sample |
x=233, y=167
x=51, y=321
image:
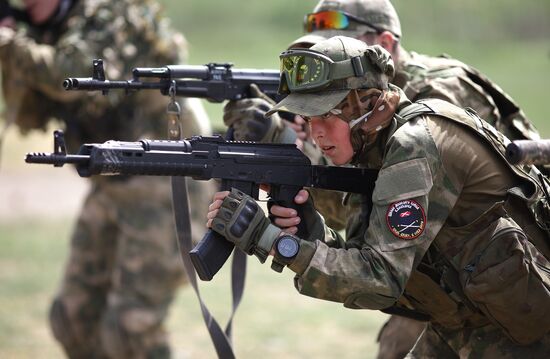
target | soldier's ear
x=388, y=41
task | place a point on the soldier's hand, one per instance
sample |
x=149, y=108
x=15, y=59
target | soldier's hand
x=249, y=124
x=7, y=34
x=236, y=216
x=287, y=218
x=8, y=21
x=215, y=206
x=299, y=125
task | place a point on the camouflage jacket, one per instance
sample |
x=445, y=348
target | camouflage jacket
x=125, y=34
x=439, y=184
x=421, y=77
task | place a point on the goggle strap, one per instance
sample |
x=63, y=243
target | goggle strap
x=355, y=122
x=357, y=66
x=354, y=67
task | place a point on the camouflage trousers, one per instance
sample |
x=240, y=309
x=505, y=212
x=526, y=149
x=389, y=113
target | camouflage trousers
x=397, y=337
x=483, y=342
x=123, y=270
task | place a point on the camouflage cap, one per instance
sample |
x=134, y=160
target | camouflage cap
x=379, y=13
x=378, y=71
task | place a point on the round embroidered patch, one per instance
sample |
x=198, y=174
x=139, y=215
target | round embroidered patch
x=406, y=219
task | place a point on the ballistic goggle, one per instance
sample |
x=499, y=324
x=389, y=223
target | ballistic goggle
x=305, y=70
x=333, y=20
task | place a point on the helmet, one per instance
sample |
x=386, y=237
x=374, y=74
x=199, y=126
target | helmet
x=306, y=41
x=319, y=78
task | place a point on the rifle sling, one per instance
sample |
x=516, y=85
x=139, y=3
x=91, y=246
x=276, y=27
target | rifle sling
x=180, y=201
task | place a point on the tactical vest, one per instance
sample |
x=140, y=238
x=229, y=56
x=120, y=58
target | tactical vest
x=501, y=274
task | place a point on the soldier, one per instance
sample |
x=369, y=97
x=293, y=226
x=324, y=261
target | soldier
x=456, y=233
x=124, y=266
x=420, y=76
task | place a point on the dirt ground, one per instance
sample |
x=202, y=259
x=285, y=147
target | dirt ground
x=45, y=193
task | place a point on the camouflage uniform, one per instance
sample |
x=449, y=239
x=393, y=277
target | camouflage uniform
x=443, y=184
x=421, y=77
x=124, y=265
x=424, y=77
x=455, y=234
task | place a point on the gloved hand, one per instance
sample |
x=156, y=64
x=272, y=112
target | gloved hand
x=287, y=219
x=241, y=221
x=247, y=119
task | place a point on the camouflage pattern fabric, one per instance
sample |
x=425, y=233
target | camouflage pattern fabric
x=124, y=267
x=436, y=176
x=483, y=342
x=421, y=76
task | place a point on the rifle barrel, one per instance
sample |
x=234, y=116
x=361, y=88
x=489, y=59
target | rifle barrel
x=535, y=152
x=56, y=159
x=83, y=83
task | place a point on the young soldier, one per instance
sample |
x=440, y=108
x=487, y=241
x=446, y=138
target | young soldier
x=455, y=233
x=124, y=265
x=376, y=22
x=420, y=76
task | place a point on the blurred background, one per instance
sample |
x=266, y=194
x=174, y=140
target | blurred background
x=508, y=40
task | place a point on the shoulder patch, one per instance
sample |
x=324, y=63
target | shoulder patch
x=406, y=219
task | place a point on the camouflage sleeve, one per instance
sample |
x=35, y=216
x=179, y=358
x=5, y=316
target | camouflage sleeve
x=43, y=67
x=33, y=72
x=412, y=200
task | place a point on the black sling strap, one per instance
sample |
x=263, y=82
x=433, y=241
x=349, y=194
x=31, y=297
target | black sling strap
x=180, y=202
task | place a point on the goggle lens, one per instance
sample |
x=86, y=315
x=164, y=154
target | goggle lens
x=303, y=71
x=326, y=20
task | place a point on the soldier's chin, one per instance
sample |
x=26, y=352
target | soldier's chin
x=338, y=160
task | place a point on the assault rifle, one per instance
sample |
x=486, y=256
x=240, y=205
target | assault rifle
x=214, y=82
x=527, y=152
x=243, y=165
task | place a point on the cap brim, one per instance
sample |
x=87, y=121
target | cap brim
x=310, y=104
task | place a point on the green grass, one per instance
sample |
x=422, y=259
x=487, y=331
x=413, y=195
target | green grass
x=31, y=257
x=273, y=321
